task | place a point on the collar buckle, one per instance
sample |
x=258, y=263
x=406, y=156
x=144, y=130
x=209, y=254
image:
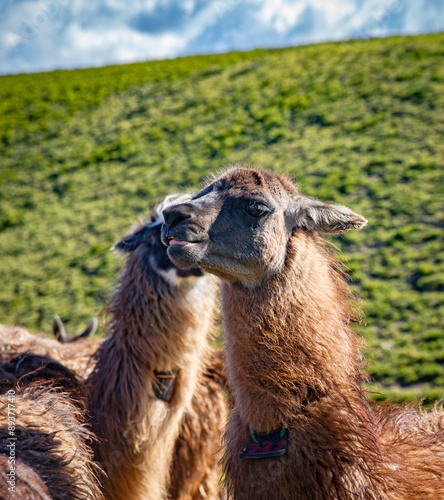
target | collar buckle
x=267, y=445
x=165, y=384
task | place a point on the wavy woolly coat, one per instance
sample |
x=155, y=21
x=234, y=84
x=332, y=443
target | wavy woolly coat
x=155, y=323
x=293, y=361
x=75, y=356
x=159, y=320
x=294, y=365
x=51, y=452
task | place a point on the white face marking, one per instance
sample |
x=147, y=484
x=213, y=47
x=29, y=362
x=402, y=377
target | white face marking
x=171, y=276
x=172, y=199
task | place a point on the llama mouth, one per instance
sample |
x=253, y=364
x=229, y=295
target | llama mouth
x=177, y=243
x=180, y=239
x=182, y=234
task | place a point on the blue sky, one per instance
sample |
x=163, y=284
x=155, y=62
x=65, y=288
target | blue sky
x=41, y=35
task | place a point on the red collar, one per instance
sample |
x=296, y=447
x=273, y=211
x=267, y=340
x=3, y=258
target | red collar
x=272, y=444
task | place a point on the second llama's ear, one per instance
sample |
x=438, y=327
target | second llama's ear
x=58, y=329
x=130, y=242
x=316, y=215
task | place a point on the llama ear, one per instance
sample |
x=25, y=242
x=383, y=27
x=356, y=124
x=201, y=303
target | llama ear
x=89, y=330
x=316, y=215
x=58, y=329
x=130, y=242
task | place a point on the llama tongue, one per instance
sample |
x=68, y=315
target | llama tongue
x=178, y=243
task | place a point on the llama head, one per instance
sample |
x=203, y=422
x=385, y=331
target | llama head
x=145, y=242
x=238, y=227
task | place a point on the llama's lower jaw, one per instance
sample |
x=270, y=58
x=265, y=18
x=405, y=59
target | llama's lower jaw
x=186, y=256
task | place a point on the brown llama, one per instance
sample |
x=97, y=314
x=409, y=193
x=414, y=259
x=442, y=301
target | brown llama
x=191, y=475
x=302, y=426
x=77, y=356
x=24, y=483
x=45, y=448
x=149, y=378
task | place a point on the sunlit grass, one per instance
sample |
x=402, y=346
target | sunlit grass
x=85, y=153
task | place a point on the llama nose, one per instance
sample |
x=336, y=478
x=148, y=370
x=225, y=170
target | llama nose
x=175, y=214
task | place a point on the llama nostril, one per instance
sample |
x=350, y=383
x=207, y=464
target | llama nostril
x=174, y=215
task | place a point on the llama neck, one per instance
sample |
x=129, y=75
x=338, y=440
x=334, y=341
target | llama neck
x=158, y=323
x=154, y=326
x=288, y=342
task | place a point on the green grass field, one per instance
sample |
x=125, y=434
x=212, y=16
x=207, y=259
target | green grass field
x=84, y=153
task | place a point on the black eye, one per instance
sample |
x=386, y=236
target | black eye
x=256, y=209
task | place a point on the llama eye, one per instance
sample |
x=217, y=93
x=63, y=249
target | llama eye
x=256, y=209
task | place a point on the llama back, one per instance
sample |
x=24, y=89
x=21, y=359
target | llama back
x=27, y=484
x=78, y=356
x=412, y=439
x=52, y=441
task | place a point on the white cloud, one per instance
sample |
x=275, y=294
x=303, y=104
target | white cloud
x=281, y=14
x=8, y=41
x=52, y=34
x=124, y=44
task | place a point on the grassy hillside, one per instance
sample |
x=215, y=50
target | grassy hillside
x=84, y=153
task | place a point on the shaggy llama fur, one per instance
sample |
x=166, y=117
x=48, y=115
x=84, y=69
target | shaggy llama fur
x=76, y=356
x=51, y=454
x=293, y=361
x=160, y=319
